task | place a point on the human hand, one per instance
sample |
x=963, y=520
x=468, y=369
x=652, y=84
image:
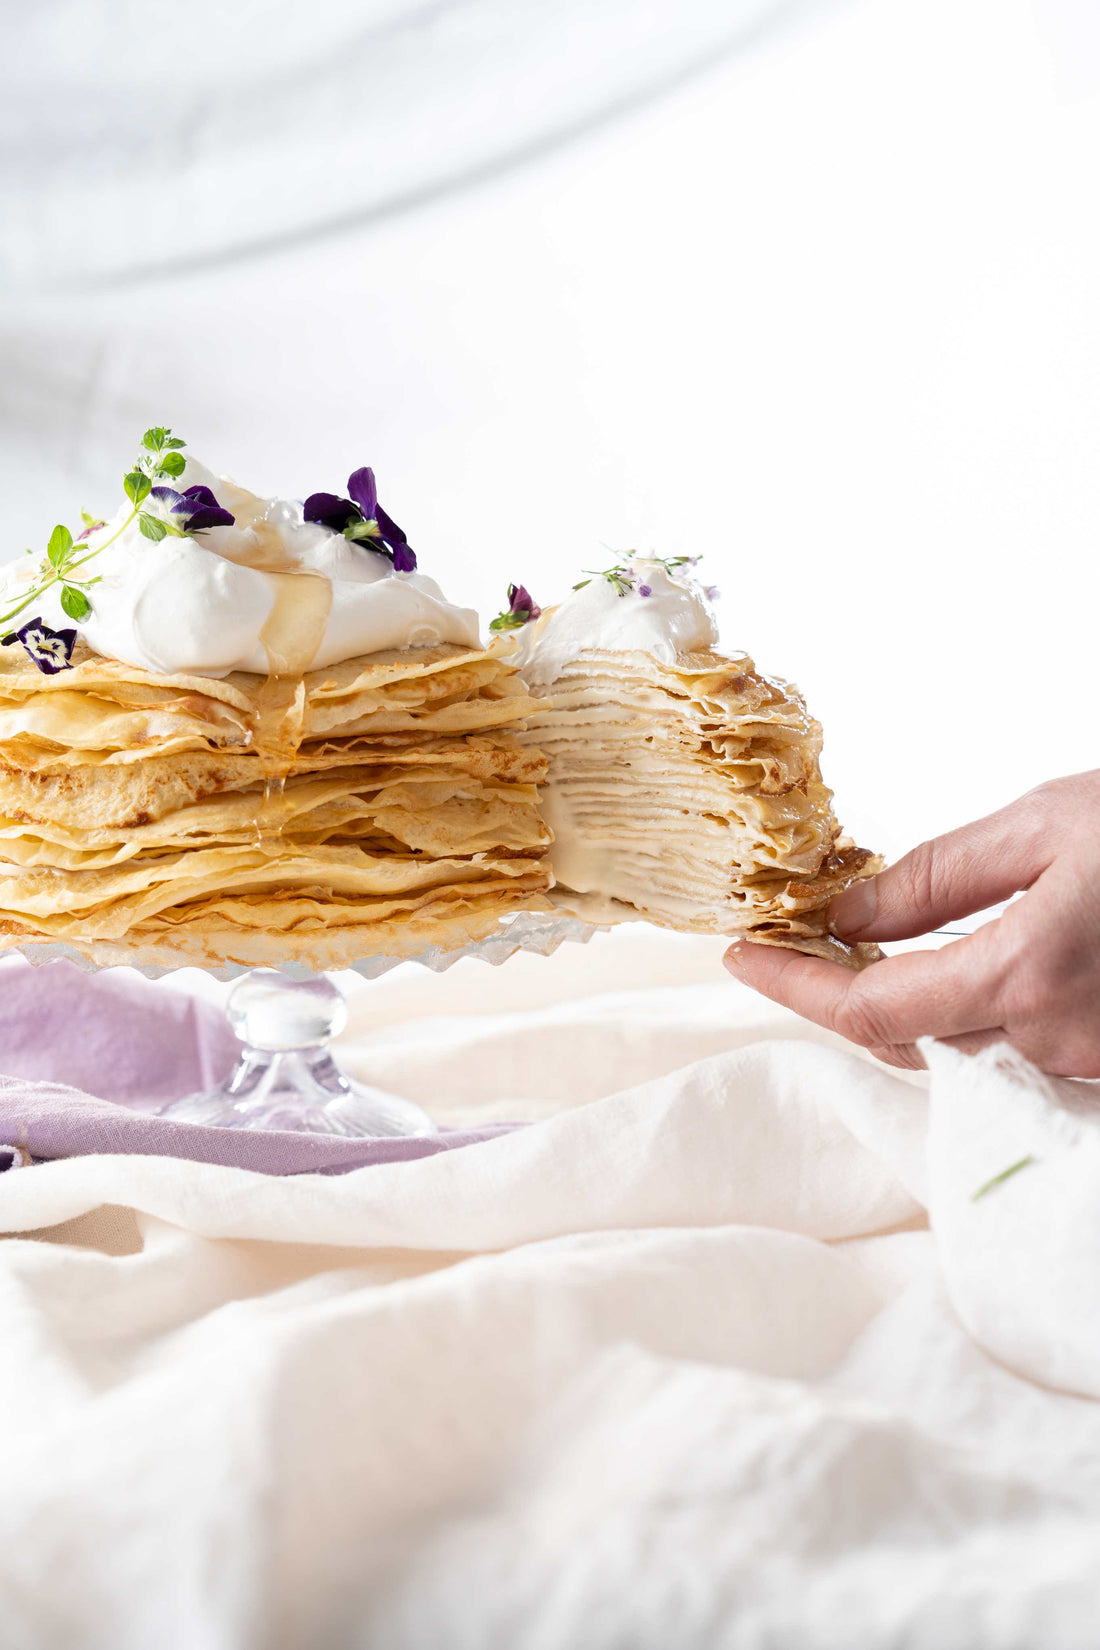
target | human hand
x=1030, y=977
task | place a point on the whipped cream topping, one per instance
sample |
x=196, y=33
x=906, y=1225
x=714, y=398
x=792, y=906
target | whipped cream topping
x=675, y=618
x=213, y=603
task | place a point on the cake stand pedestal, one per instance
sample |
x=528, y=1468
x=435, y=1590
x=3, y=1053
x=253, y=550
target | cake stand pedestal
x=285, y=1077
x=285, y=1018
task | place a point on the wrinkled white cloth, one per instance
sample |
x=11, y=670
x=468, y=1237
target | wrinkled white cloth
x=723, y=1351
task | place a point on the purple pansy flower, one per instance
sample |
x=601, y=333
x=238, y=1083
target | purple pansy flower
x=50, y=650
x=521, y=609
x=198, y=504
x=362, y=520
x=330, y=511
x=364, y=490
x=521, y=603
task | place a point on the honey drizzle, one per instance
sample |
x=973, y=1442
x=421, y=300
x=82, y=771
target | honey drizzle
x=290, y=638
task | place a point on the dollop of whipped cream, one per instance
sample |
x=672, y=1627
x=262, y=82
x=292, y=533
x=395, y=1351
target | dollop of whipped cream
x=674, y=618
x=198, y=605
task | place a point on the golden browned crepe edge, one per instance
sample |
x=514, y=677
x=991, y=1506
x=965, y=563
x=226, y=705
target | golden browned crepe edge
x=333, y=949
x=828, y=946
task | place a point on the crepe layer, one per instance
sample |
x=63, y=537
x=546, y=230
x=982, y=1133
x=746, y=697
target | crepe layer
x=691, y=795
x=380, y=807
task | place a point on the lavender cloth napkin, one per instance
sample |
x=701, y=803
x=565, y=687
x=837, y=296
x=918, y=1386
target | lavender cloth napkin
x=86, y=1059
x=116, y=1035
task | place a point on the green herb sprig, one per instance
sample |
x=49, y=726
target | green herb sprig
x=622, y=576
x=999, y=1179
x=66, y=558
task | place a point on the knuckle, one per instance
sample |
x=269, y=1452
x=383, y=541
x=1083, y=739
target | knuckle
x=912, y=882
x=922, y=867
x=902, y=1055
x=1027, y=995
x=1041, y=814
x=1040, y=976
x=862, y=1021
x=1044, y=798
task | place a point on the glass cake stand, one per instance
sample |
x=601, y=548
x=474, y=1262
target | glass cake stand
x=285, y=1018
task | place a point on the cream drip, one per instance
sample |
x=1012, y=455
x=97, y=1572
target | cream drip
x=201, y=605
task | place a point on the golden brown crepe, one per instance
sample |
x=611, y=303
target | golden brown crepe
x=382, y=806
x=391, y=804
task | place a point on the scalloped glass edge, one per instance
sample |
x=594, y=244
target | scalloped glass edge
x=538, y=932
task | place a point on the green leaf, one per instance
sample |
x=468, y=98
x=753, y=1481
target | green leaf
x=582, y=584
x=61, y=542
x=89, y=520
x=75, y=602
x=359, y=530
x=137, y=486
x=508, y=621
x=173, y=441
x=999, y=1179
x=152, y=527
x=172, y=464
x=154, y=439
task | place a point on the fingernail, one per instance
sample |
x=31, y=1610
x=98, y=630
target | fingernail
x=854, y=910
x=733, y=958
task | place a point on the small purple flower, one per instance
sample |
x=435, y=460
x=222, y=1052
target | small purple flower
x=330, y=511
x=522, y=603
x=203, y=510
x=362, y=487
x=198, y=504
x=404, y=556
x=521, y=609
x=712, y=592
x=645, y=590
x=362, y=520
x=50, y=650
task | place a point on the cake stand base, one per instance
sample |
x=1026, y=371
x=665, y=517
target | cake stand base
x=285, y=1077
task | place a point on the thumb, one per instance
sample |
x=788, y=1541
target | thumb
x=951, y=876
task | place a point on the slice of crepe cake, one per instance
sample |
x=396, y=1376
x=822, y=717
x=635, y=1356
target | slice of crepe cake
x=683, y=786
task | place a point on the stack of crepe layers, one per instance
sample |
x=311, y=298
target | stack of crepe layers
x=690, y=794
x=381, y=807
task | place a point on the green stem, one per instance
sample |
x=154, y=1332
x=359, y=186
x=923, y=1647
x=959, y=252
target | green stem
x=74, y=566
x=17, y=610
x=61, y=575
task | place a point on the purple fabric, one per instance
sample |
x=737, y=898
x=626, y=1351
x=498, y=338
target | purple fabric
x=115, y=1035
x=85, y=1059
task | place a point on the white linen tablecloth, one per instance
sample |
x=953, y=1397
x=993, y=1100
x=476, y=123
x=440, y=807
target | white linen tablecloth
x=722, y=1351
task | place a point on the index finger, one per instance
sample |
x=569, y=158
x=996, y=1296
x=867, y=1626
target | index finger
x=920, y=994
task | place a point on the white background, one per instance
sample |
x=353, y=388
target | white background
x=825, y=311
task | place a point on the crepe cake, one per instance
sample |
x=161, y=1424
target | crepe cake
x=683, y=786
x=266, y=738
